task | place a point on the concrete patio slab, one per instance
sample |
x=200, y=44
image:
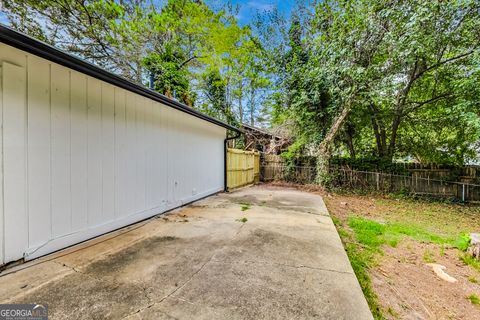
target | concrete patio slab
x=201, y=261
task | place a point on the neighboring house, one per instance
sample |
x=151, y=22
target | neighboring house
x=85, y=152
x=263, y=140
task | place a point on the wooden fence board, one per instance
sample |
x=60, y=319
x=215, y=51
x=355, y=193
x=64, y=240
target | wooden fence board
x=243, y=168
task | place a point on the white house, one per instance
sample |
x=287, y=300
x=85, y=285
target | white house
x=84, y=152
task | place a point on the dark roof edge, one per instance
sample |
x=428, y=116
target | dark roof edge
x=26, y=43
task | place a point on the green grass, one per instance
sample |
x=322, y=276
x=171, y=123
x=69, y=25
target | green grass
x=442, y=251
x=368, y=232
x=361, y=258
x=336, y=221
x=374, y=234
x=472, y=279
x=474, y=299
x=244, y=219
x=471, y=261
x=245, y=206
x=428, y=256
x=393, y=313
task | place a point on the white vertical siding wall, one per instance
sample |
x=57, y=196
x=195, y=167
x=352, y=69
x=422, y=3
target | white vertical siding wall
x=82, y=157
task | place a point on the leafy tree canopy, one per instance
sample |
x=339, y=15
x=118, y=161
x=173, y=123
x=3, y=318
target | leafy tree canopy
x=392, y=80
x=178, y=44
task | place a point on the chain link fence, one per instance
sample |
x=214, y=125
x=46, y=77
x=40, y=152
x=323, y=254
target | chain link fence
x=375, y=181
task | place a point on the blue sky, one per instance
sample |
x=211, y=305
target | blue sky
x=3, y=18
x=249, y=7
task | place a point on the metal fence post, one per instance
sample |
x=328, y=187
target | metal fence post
x=463, y=192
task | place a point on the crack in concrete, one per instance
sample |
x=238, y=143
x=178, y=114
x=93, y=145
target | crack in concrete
x=141, y=287
x=186, y=282
x=294, y=266
x=296, y=209
x=236, y=234
x=173, y=291
x=72, y=268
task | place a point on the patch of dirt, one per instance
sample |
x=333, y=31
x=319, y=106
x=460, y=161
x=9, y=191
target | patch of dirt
x=409, y=289
x=342, y=206
x=185, y=214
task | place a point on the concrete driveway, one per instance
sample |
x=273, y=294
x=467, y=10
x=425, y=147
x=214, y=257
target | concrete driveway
x=257, y=253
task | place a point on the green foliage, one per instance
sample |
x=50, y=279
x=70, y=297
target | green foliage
x=295, y=155
x=371, y=163
x=170, y=78
x=474, y=299
x=245, y=206
x=391, y=82
x=242, y=220
x=305, y=100
x=215, y=89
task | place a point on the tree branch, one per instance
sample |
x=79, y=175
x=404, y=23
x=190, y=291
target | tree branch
x=436, y=98
x=436, y=65
x=188, y=60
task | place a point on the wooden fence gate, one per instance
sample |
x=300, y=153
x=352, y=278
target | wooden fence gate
x=243, y=168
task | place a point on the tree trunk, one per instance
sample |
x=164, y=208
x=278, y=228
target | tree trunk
x=378, y=131
x=324, y=149
x=417, y=69
x=393, y=138
x=349, y=132
x=240, y=107
x=252, y=107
